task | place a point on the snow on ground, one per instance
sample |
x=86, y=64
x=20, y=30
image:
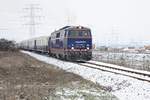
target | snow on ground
x=125, y=88
x=138, y=61
x=120, y=67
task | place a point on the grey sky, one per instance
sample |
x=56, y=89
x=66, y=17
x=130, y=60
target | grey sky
x=111, y=21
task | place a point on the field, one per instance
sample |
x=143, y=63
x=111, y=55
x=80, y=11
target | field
x=131, y=60
x=25, y=78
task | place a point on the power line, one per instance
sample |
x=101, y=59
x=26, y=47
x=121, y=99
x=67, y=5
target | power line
x=3, y=29
x=33, y=17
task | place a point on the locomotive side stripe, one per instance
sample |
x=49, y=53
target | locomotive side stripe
x=78, y=37
x=60, y=49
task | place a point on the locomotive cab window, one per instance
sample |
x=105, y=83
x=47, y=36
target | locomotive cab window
x=75, y=33
x=84, y=33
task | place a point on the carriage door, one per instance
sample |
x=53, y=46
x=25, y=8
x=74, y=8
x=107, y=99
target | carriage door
x=35, y=47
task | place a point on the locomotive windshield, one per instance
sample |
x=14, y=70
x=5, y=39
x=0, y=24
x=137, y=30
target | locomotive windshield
x=75, y=33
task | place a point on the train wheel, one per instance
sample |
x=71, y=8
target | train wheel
x=50, y=54
x=61, y=57
x=66, y=57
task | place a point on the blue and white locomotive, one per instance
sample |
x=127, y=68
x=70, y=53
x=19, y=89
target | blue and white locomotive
x=69, y=43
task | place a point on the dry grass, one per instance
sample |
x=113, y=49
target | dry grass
x=23, y=77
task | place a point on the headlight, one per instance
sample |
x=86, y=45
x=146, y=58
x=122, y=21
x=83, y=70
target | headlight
x=72, y=47
x=88, y=48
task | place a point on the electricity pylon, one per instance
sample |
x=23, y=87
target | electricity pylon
x=33, y=17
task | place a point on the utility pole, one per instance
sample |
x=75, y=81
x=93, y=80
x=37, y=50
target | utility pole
x=33, y=17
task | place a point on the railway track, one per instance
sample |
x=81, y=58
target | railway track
x=137, y=74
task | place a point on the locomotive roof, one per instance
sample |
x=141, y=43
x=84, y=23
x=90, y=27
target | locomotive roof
x=64, y=27
x=71, y=27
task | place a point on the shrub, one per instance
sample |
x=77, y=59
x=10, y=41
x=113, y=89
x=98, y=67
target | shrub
x=7, y=45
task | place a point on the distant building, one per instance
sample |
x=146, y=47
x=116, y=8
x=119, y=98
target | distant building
x=112, y=49
x=131, y=47
x=147, y=47
x=103, y=48
x=131, y=50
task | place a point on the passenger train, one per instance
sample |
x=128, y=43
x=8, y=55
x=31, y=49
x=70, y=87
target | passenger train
x=69, y=43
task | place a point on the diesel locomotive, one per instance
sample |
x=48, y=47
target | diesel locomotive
x=69, y=43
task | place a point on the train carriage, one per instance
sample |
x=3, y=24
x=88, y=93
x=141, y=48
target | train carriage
x=39, y=44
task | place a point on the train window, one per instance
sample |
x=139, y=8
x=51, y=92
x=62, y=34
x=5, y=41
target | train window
x=57, y=35
x=85, y=33
x=75, y=33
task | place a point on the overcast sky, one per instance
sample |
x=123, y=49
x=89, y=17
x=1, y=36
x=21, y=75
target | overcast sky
x=111, y=21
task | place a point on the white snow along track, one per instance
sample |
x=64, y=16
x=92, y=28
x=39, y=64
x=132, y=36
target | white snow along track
x=123, y=87
x=141, y=75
